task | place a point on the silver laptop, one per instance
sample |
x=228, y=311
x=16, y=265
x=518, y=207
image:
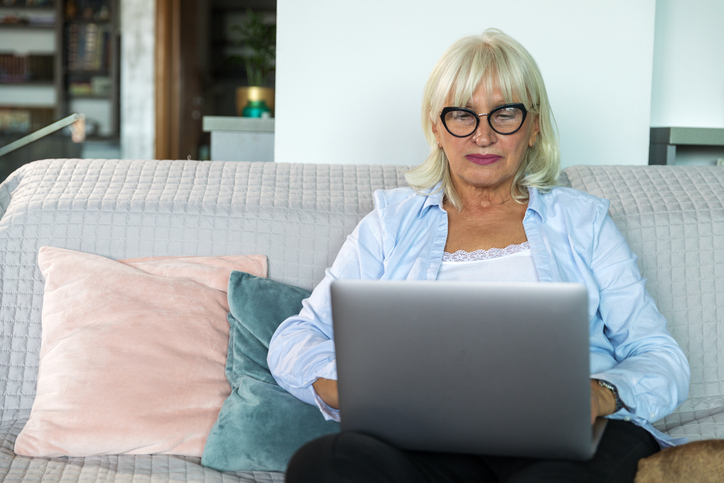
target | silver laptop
x=466, y=367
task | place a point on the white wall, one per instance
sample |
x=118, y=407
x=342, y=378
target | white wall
x=350, y=74
x=138, y=105
x=688, y=70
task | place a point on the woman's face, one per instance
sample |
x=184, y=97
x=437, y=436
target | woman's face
x=486, y=160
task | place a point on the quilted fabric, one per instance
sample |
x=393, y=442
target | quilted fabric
x=120, y=468
x=673, y=218
x=6, y=190
x=297, y=215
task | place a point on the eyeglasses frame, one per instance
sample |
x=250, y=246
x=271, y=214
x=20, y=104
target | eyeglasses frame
x=520, y=106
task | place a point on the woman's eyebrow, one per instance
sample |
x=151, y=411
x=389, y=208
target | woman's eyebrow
x=497, y=103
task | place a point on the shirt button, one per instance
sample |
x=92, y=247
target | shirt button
x=627, y=418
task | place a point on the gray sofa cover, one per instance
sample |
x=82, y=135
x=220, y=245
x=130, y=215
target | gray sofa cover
x=299, y=215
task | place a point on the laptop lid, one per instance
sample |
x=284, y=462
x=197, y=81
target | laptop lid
x=469, y=367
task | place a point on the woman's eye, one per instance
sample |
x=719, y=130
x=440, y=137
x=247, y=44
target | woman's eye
x=507, y=114
x=460, y=116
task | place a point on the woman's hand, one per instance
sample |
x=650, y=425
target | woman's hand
x=603, y=401
x=327, y=390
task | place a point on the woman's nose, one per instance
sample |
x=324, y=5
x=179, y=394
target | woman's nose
x=484, y=134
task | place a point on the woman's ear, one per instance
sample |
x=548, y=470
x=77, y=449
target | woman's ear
x=534, y=132
x=435, y=132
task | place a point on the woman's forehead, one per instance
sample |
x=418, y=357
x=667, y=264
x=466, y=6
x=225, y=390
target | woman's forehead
x=487, y=90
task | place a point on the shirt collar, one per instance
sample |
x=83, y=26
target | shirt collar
x=435, y=198
x=536, y=204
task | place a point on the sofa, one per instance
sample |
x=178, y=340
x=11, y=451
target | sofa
x=298, y=216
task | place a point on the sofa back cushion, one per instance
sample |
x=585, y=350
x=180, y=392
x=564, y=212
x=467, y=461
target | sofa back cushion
x=296, y=214
x=673, y=218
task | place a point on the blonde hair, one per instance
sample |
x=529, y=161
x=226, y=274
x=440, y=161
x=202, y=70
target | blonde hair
x=496, y=60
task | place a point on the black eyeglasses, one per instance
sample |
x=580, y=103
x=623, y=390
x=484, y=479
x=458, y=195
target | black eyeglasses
x=462, y=122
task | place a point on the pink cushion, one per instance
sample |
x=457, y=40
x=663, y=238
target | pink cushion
x=132, y=355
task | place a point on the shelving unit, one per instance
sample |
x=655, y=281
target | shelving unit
x=58, y=57
x=29, y=79
x=28, y=75
x=89, y=62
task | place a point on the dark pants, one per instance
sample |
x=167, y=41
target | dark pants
x=352, y=457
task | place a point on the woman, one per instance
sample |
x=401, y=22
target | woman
x=484, y=206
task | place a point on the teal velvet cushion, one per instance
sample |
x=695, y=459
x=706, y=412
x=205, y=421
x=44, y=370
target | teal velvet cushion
x=260, y=425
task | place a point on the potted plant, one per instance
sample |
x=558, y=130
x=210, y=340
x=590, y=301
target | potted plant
x=258, y=39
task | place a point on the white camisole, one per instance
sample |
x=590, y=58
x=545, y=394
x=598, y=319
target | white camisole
x=513, y=263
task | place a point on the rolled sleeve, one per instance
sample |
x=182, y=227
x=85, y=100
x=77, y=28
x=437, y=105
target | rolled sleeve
x=302, y=348
x=327, y=411
x=650, y=370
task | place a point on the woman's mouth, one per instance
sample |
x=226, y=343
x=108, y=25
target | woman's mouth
x=483, y=159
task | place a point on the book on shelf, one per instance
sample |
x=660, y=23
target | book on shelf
x=23, y=68
x=88, y=46
x=14, y=121
x=40, y=16
x=79, y=88
x=23, y=120
x=14, y=68
x=96, y=86
x=27, y=3
x=88, y=9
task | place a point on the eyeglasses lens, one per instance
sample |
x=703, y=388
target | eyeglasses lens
x=504, y=121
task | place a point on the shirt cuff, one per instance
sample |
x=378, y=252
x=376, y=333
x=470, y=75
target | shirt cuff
x=328, y=412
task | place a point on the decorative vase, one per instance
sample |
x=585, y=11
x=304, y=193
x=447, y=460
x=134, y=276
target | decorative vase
x=256, y=109
x=247, y=95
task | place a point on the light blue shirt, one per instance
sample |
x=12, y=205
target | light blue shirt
x=572, y=239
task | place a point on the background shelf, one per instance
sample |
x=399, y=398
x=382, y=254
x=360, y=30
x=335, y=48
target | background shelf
x=58, y=57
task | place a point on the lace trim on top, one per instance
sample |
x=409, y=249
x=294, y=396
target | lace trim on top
x=478, y=255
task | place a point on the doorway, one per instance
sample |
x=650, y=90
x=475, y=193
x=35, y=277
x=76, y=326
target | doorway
x=195, y=72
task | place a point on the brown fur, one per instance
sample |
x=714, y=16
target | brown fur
x=695, y=462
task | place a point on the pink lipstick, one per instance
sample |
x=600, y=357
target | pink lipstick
x=483, y=159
